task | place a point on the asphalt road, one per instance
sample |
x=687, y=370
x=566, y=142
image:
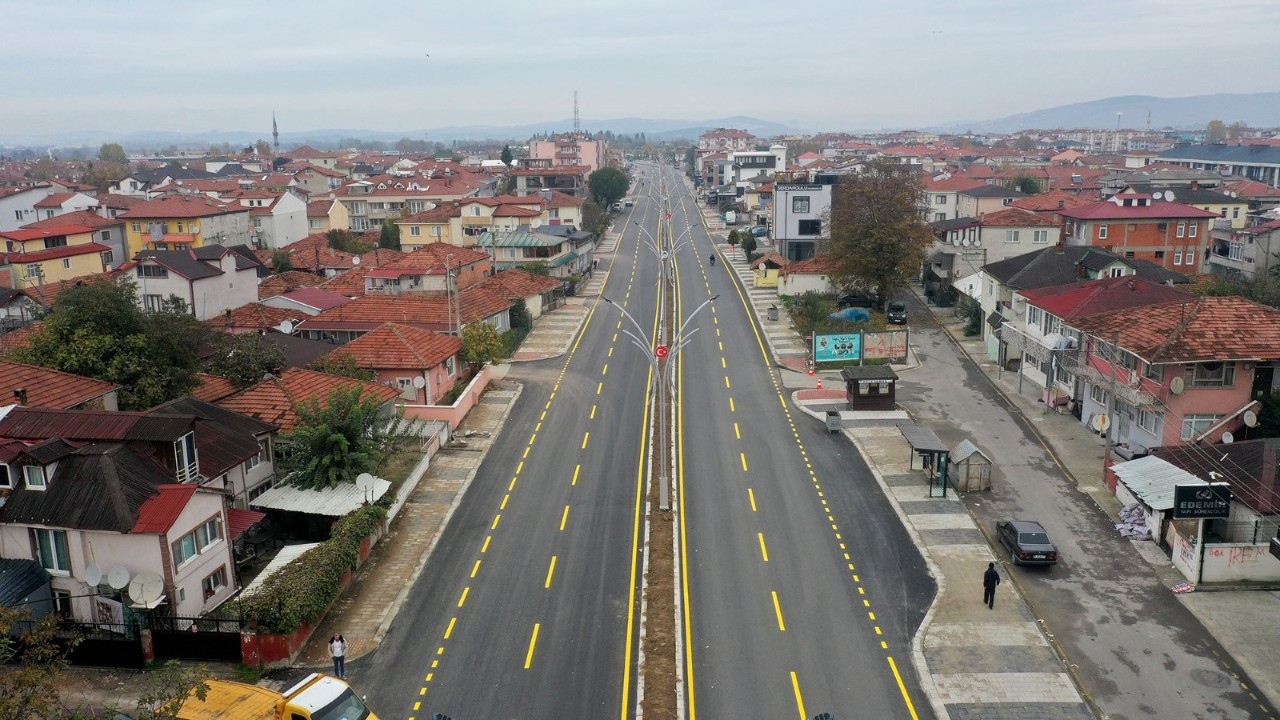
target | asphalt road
x=527, y=607
x=803, y=589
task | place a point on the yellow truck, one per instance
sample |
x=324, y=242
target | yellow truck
x=317, y=697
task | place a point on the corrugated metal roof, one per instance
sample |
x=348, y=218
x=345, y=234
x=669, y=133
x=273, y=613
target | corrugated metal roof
x=19, y=579
x=287, y=554
x=964, y=450
x=161, y=510
x=1152, y=480
x=40, y=423
x=517, y=239
x=333, y=502
x=920, y=438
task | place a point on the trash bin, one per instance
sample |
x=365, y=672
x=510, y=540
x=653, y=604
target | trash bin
x=773, y=312
x=833, y=421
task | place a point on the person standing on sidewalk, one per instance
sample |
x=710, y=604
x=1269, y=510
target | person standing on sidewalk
x=990, y=579
x=338, y=650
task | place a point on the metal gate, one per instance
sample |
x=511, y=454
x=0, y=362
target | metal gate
x=196, y=638
x=101, y=644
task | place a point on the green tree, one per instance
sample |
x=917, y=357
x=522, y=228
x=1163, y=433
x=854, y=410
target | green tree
x=481, y=343
x=243, y=359
x=103, y=174
x=507, y=157
x=521, y=319
x=31, y=666
x=748, y=245
x=43, y=169
x=113, y=153
x=1027, y=184
x=281, y=261
x=1215, y=132
x=166, y=687
x=594, y=219
x=263, y=148
x=342, y=364
x=537, y=267
x=389, y=235
x=734, y=238
x=608, y=185
x=878, y=239
x=334, y=441
x=346, y=241
x=1025, y=143
x=98, y=330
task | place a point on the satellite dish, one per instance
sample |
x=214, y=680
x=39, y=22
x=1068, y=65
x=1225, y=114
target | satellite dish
x=1100, y=422
x=365, y=482
x=118, y=577
x=1250, y=418
x=355, y=260
x=1177, y=385
x=1157, y=195
x=1228, y=438
x=419, y=382
x=93, y=575
x=194, y=228
x=146, y=590
x=1168, y=195
x=964, y=242
x=286, y=327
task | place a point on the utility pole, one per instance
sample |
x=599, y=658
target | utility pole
x=1111, y=406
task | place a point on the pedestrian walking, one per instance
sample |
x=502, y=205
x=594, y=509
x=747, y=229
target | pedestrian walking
x=990, y=579
x=338, y=649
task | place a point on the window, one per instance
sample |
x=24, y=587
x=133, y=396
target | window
x=316, y=223
x=17, y=215
x=35, y=477
x=450, y=365
x=1194, y=229
x=1159, y=254
x=1235, y=213
x=33, y=271
x=1102, y=232
x=215, y=582
x=62, y=603
x=1040, y=237
x=1097, y=394
x=184, y=549
x=800, y=204
x=939, y=217
x=1194, y=425
x=264, y=452
x=1177, y=257
x=209, y=533
x=436, y=231
x=1182, y=229
x=107, y=257
x=136, y=227
x=152, y=303
x=1223, y=213
x=1147, y=421
x=180, y=226
x=184, y=450
x=66, y=263
x=1011, y=236
x=415, y=230
x=155, y=271
x=939, y=199
x=1117, y=272
x=1153, y=372
x=55, y=242
x=809, y=227
x=52, y=551
x=5, y=481
x=1212, y=374
x=1035, y=316
x=1162, y=227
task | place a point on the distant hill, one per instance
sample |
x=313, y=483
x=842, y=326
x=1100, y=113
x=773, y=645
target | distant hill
x=653, y=130
x=1257, y=109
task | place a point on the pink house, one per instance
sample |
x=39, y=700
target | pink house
x=1178, y=373
x=421, y=364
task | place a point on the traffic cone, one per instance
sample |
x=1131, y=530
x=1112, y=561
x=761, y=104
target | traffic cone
x=810, y=369
x=819, y=382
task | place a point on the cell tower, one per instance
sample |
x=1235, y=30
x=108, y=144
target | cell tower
x=577, y=126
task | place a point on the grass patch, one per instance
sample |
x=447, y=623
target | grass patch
x=513, y=339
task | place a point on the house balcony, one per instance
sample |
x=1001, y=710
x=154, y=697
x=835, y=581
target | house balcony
x=1075, y=362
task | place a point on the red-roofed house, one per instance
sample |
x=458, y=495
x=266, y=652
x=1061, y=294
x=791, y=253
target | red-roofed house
x=313, y=254
x=423, y=365
x=309, y=301
x=812, y=274
x=51, y=254
x=427, y=310
x=61, y=203
x=942, y=193
x=40, y=387
x=288, y=281
x=1052, y=201
x=426, y=268
x=107, y=231
x=182, y=222
x=276, y=401
x=18, y=205
x=1185, y=372
x=539, y=292
x=1171, y=235
x=256, y=317
x=326, y=214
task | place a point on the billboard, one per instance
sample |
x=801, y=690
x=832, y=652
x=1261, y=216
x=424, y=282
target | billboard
x=887, y=345
x=843, y=346
x=1201, y=502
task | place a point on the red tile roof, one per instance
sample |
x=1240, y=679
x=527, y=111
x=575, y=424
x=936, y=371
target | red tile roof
x=305, y=252
x=1252, y=189
x=1052, y=200
x=159, y=512
x=1017, y=217
x=47, y=388
x=212, y=388
x=816, y=265
x=1104, y=295
x=1109, y=210
x=47, y=231
x=256, y=316
x=423, y=309
x=20, y=338
x=349, y=283
x=181, y=206
x=378, y=257
x=439, y=214
x=1203, y=329
x=517, y=283
x=239, y=521
x=433, y=257
x=318, y=298
x=395, y=346
x=54, y=253
x=276, y=400
x=953, y=183
x=287, y=282
x=319, y=208
x=85, y=218
x=55, y=200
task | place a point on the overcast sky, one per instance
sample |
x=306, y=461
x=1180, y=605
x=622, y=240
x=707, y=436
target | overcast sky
x=816, y=64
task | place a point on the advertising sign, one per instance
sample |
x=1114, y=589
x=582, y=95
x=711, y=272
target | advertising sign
x=1201, y=502
x=844, y=346
x=886, y=345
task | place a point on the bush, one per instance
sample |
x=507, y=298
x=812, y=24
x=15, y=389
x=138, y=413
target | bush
x=305, y=588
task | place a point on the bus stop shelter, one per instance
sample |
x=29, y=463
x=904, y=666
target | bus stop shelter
x=932, y=453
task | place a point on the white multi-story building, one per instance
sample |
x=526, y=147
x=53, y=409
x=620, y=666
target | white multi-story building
x=800, y=214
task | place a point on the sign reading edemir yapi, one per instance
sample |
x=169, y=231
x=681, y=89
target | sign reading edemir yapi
x=1201, y=502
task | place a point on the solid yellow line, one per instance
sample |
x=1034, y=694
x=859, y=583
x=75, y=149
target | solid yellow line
x=533, y=641
x=463, y=600
x=744, y=461
x=449, y=630
x=585, y=438
x=550, y=571
x=576, y=470
x=764, y=551
x=795, y=685
x=564, y=518
x=752, y=495
x=485, y=547
x=906, y=697
x=777, y=609
x=475, y=569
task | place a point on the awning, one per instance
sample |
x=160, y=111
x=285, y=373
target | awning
x=921, y=439
x=332, y=502
x=557, y=262
x=287, y=554
x=238, y=521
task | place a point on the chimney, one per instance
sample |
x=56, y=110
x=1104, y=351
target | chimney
x=20, y=395
x=1195, y=184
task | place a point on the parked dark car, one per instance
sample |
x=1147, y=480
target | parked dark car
x=759, y=231
x=897, y=313
x=848, y=300
x=1027, y=542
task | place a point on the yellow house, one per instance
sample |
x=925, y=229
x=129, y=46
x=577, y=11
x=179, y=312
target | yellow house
x=326, y=214
x=462, y=222
x=1232, y=210
x=766, y=269
x=184, y=222
x=35, y=257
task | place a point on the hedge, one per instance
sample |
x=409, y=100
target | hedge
x=305, y=588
